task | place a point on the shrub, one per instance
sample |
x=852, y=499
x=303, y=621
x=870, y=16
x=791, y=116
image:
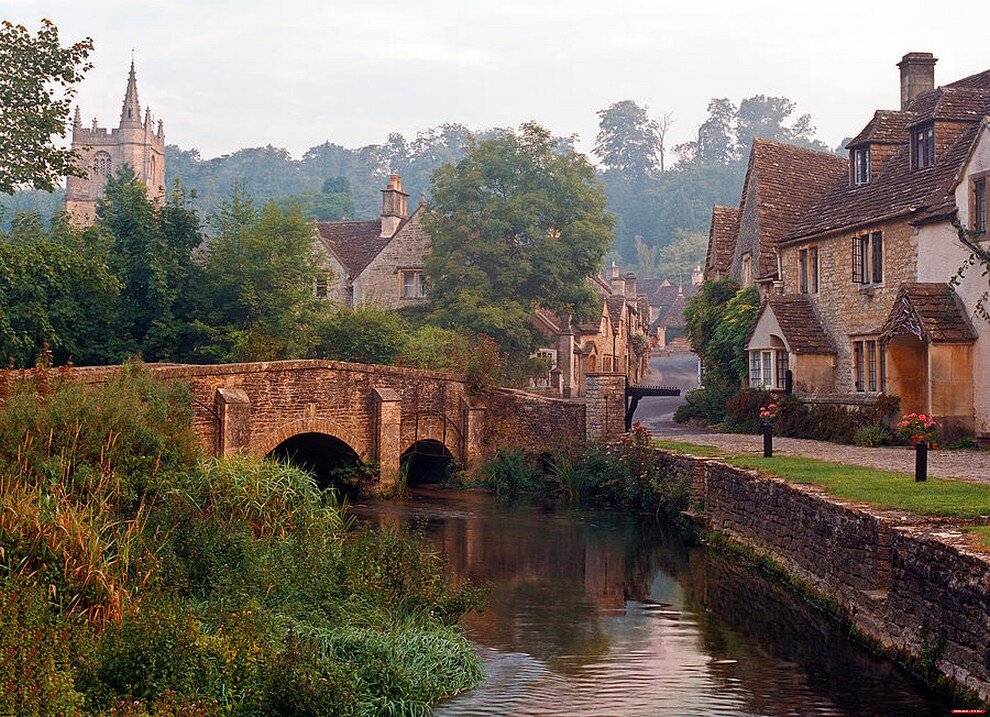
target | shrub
x=871, y=435
x=706, y=404
x=362, y=334
x=511, y=471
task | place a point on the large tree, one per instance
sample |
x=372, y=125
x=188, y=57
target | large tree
x=517, y=223
x=628, y=140
x=37, y=76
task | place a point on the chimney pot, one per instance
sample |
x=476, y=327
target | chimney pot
x=917, y=75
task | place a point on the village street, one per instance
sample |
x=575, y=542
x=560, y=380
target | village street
x=680, y=371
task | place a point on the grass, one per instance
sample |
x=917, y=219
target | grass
x=980, y=536
x=693, y=449
x=883, y=489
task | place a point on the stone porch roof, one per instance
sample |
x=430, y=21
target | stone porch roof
x=803, y=330
x=931, y=311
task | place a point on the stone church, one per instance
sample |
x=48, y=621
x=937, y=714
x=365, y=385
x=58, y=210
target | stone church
x=134, y=142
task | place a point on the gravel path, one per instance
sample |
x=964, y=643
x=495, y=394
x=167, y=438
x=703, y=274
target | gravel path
x=967, y=465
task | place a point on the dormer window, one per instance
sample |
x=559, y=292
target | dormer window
x=861, y=165
x=923, y=146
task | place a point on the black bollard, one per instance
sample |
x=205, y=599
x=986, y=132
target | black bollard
x=920, y=461
x=768, y=440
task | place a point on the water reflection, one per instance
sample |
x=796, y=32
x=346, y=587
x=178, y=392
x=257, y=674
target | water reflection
x=603, y=614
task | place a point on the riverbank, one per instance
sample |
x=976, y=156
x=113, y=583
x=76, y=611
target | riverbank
x=908, y=583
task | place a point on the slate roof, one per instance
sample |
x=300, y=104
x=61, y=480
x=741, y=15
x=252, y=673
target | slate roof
x=355, y=244
x=615, y=307
x=722, y=238
x=799, y=323
x=790, y=180
x=931, y=311
x=886, y=127
x=922, y=195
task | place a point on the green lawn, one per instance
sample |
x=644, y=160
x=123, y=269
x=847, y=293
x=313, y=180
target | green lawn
x=884, y=489
x=980, y=535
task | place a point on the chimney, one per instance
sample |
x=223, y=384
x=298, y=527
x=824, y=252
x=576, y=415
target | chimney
x=395, y=205
x=697, y=276
x=917, y=75
x=616, y=282
x=630, y=285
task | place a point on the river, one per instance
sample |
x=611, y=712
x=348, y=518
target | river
x=605, y=614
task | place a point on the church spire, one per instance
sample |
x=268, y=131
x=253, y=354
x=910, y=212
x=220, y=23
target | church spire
x=130, y=113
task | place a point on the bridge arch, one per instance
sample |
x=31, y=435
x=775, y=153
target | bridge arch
x=427, y=461
x=351, y=438
x=312, y=445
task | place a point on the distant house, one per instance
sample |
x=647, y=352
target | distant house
x=855, y=272
x=378, y=262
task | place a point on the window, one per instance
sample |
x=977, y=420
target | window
x=861, y=165
x=768, y=368
x=923, y=146
x=980, y=206
x=102, y=165
x=413, y=285
x=869, y=367
x=320, y=288
x=867, y=259
x=808, y=259
x=550, y=356
x=747, y=270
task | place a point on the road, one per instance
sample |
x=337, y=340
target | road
x=678, y=370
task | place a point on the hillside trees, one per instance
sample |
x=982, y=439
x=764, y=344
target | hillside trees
x=37, y=76
x=515, y=224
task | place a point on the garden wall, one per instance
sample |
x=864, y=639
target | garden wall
x=909, y=583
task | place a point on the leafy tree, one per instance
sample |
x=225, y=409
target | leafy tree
x=716, y=137
x=515, y=224
x=55, y=291
x=768, y=117
x=332, y=203
x=727, y=347
x=704, y=312
x=151, y=255
x=37, y=76
x=257, y=288
x=628, y=140
x=679, y=259
x=364, y=334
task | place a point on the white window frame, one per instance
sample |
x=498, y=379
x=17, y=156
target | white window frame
x=411, y=284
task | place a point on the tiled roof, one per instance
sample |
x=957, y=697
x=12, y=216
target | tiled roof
x=649, y=286
x=354, y=243
x=615, y=307
x=896, y=189
x=923, y=194
x=673, y=318
x=931, y=311
x=722, y=238
x=800, y=325
x=789, y=181
x=886, y=127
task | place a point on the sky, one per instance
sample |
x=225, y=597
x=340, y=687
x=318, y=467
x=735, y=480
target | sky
x=227, y=74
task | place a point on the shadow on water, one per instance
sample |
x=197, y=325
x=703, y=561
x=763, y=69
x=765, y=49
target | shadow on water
x=594, y=613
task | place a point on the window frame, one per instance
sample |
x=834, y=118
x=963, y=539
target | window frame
x=808, y=270
x=868, y=254
x=860, y=166
x=979, y=201
x=923, y=146
x=413, y=280
x=869, y=365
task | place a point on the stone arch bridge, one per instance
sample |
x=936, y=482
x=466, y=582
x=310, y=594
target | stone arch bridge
x=379, y=412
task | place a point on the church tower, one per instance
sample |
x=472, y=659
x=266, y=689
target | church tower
x=134, y=142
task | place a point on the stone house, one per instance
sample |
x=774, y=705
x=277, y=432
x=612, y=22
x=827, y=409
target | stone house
x=863, y=302
x=614, y=341
x=377, y=262
x=136, y=143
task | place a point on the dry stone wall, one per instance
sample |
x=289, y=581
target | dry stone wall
x=909, y=583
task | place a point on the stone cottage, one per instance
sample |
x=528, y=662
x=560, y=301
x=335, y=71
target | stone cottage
x=863, y=300
x=377, y=262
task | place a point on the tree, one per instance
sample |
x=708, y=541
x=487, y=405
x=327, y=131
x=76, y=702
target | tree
x=55, y=291
x=768, y=117
x=257, y=291
x=151, y=255
x=663, y=128
x=514, y=225
x=679, y=259
x=628, y=140
x=37, y=76
x=332, y=203
x=716, y=135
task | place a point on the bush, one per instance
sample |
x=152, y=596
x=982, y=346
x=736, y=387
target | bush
x=706, y=404
x=362, y=334
x=511, y=471
x=872, y=434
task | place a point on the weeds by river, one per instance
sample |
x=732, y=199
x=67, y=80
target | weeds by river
x=138, y=577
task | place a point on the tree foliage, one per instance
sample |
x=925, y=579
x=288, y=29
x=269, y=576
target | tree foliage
x=517, y=223
x=37, y=76
x=628, y=140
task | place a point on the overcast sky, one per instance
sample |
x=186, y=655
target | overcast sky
x=226, y=74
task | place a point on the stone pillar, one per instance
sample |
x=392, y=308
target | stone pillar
x=233, y=410
x=388, y=435
x=605, y=404
x=472, y=431
x=565, y=359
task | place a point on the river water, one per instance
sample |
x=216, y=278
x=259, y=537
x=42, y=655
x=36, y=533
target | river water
x=605, y=614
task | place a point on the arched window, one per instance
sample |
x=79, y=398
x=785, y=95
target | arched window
x=102, y=164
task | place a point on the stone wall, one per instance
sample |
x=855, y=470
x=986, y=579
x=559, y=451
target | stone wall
x=525, y=420
x=907, y=582
x=380, y=284
x=605, y=398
